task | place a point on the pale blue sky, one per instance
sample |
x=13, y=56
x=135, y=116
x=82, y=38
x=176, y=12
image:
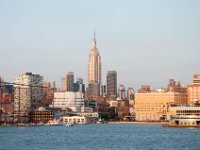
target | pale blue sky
x=145, y=41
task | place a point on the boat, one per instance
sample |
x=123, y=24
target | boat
x=99, y=121
x=69, y=125
x=55, y=122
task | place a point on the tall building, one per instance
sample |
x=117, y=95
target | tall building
x=28, y=93
x=68, y=82
x=194, y=90
x=122, y=92
x=2, y=85
x=93, y=89
x=112, y=83
x=94, y=66
x=130, y=93
x=79, y=86
x=103, y=90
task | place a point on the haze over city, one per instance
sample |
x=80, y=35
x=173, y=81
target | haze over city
x=146, y=42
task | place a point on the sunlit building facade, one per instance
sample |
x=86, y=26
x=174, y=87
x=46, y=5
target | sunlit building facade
x=154, y=106
x=28, y=93
x=194, y=90
x=94, y=66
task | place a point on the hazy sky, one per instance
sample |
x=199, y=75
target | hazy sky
x=146, y=42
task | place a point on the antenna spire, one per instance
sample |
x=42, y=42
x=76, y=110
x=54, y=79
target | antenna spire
x=94, y=40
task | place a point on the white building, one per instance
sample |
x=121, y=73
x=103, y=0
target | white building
x=71, y=100
x=78, y=120
x=184, y=115
x=28, y=93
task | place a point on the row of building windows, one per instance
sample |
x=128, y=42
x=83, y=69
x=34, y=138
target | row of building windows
x=187, y=111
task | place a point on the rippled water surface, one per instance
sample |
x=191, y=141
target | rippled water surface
x=99, y=137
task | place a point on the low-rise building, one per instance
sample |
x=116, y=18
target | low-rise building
x=78, y=120
x=154, y=106
x=184, y=115
x=40, y=116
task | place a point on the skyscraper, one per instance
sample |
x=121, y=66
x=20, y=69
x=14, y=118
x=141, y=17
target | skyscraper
x=94, y=66
x=112, y=83
x=68, y=82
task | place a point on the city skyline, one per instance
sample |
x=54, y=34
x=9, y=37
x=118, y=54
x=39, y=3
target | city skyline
x=146, y=42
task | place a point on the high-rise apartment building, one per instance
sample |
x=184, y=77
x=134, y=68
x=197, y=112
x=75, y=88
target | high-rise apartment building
x=194, y=90
x=68, y=82
x=112, y=83
x=94, y=66
x=28, y=93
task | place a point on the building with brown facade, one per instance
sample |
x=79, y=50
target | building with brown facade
x=194, y=90
x=40, y=116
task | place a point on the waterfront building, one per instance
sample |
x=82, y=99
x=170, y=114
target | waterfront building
x=112, y=83
x=184, y=116
x=88, y=114
x=6, y=97
x=121, y=92
x=69, y=100
x=95, y=68
x=40, y=116
x=28, y=93
x=6, y=103
x=68, y=82
x=123, y=108
x=194, y=90
x=78, y=120
x=154, y=106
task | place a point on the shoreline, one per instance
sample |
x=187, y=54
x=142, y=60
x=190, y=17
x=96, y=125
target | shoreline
x=134, y=122
x=106, y=122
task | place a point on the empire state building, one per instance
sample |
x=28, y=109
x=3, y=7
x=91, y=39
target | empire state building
x=94, y=68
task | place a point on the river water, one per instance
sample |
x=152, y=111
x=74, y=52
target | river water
x=99, y=137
